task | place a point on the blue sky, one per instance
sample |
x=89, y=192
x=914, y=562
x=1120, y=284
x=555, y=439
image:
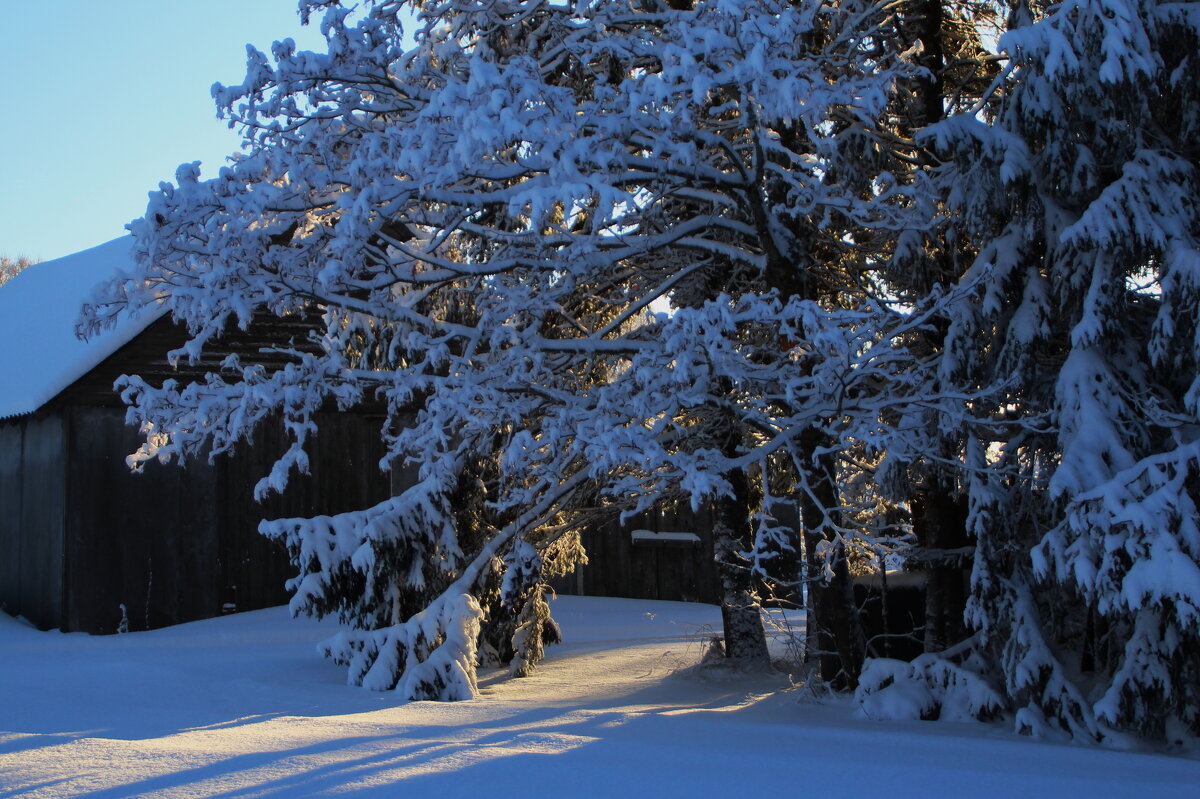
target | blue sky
x=102, y=100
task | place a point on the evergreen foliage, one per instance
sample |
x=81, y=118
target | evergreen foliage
x=1082, y=197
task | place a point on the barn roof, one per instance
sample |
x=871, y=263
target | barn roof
x=40, y=354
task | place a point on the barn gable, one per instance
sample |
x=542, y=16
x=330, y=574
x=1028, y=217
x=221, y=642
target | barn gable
x=87, y=545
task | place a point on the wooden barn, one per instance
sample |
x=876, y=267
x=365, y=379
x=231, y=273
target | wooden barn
x=664, y=555
x=86, y=545
x=668, y=554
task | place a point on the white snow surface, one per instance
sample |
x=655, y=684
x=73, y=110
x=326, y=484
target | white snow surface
x=40, y=354
x=243, y=706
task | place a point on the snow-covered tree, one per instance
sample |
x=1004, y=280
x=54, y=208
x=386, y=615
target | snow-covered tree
x=922, y=468
x=1083, y=194
x=488, y=224
x=10, y=267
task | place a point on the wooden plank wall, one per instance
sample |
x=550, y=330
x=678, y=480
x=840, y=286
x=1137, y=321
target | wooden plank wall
x=616, y=567
x=146, y=355
x=32, y=499
x=43, y=502
x=146, y=541
x=177, y=544
x=12, y=434
x=171, y=544
x=344, y=476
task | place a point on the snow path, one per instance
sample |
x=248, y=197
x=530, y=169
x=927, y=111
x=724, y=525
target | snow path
x=242, y=707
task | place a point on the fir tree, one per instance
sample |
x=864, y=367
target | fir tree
x=1083, y=196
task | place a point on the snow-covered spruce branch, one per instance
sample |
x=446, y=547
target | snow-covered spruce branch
x=388, y=551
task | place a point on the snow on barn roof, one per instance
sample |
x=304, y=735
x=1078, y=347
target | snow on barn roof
x=40, y=354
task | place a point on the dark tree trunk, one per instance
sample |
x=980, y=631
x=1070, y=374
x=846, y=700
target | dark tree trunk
x=939, y=521
x=932, y=90
x=938, y=515
x=832, y=612
x=745, y=639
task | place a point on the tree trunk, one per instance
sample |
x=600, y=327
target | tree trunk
x=745, y=638
x=939, y=521
x=839, y=635
x=835, y=630
x=931, y=90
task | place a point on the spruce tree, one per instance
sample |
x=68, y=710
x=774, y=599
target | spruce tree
x=1083, y=334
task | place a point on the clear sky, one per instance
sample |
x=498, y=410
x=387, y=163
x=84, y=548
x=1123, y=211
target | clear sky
x=102, y=99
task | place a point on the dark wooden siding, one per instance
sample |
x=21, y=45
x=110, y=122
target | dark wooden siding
x=344, y=476
x=43, y=511
x=618, y=567
x=32, y=501
x=253, y=568
x=147, y=542
x=173, y=543
x=12, y=433
x=84, y=543
x=146, y=355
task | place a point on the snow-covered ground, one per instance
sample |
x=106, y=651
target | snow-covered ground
x=242, y=706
